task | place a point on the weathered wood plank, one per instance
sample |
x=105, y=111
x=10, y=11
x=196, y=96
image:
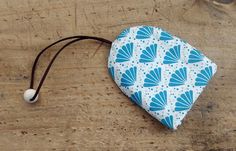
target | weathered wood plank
x=80, y=108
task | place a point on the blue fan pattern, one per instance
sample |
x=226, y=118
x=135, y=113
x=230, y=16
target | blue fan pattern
x=149, y=54
x=168, y=122
x=112, y=72
x=129, y=77
x=172, y=56
x=159, y=101
x=125, y=53
x=124, y=33
x=185, y=101
x=165, y=36
x=144, y=32
x=159, y=72
x=153, y=78
x=137, y=98
x=195, y=56
x=203, y=77
x=179, y=77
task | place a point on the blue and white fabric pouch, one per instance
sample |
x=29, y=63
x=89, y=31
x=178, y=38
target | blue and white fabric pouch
x=160, y=72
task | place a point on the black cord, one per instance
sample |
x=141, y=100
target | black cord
x=76, y=38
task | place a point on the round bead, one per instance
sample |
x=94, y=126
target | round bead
x=28, y=94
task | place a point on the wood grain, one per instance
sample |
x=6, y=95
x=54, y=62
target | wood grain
x=80, y=108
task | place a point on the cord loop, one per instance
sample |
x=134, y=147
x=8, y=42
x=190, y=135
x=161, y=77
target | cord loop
x=75, y=39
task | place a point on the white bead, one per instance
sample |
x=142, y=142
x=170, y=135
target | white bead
x=28, y=94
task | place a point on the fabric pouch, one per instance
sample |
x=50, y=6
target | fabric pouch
x=159, y=72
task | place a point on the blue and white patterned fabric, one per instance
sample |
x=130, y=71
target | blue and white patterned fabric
x=159, y=72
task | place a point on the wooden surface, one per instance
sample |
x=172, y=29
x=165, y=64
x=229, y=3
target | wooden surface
x=80, y=107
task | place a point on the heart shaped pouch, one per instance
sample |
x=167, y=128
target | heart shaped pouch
x=160, y=72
